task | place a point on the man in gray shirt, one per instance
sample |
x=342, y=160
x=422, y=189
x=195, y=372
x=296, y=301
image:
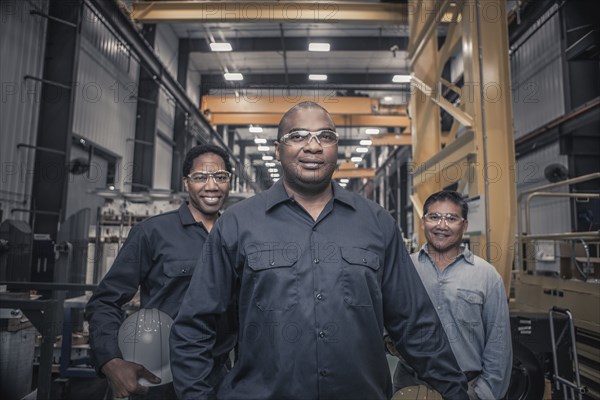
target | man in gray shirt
x=316, y=272
x=469, y=297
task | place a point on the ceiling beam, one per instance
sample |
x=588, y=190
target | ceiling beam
x=384, y=121
x=268, y=110
x=346, y=105
x=359, y=43
x=341, y=142
x=354, y=173
x=217, y=81
x=269, y=12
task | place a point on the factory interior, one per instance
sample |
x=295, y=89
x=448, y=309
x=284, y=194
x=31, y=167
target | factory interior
x=498, y=100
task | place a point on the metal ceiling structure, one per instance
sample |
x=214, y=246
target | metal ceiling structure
x=270, y=48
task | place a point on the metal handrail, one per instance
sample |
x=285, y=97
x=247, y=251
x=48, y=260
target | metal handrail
x=537, y=192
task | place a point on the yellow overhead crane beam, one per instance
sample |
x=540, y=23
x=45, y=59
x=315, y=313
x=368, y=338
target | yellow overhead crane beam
x=268, y=110
x=269, y=12
x=481, y=160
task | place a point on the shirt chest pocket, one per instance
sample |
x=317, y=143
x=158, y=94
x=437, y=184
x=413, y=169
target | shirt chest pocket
x=179, y=268
x=275, y=280
x=469, y=306
x=360, y=279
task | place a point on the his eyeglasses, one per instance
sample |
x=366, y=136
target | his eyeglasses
x=436, y=218
x=300, y=138
x=217, y=176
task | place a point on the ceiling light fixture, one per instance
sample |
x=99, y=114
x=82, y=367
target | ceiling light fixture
x=362, y=149
x=256, y=129
x=264, y=148
x=344, y=180
x=267, y=158
x=221, y=46
x=273, y=170
x=260, y=140
x=270, y=164
x=317, y=77
x=233, y=76
x=356, y=159
x=319, y=47
x=401, y=79
x=372, y=131
x=388, y=98
x=365, y=142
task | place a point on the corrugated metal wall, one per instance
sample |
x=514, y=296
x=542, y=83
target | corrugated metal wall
x=537, y=75
x=166, y=46
x=106, y=102
x=547, y=215
x=22, y=39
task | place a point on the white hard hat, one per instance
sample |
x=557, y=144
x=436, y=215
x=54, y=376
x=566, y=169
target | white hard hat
x=144, y=339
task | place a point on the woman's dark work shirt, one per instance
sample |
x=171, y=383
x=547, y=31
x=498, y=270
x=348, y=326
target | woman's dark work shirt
x=159, y=256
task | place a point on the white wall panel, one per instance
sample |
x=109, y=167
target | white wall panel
x=536, y=69
x=547, y=215
x=106, y=98
x=105, y=106
x=22, y=40
x=193, y=86
x=163, y=157
x=166, y=46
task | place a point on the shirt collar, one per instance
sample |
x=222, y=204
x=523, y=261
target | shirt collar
x=466, y=253
x=186, y=217
x=277, y=194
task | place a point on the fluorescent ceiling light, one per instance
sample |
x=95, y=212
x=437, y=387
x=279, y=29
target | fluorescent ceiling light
x=273, y=170
x=264, y=148
x=372, y=131
x=365, y=142
x=260, y=140
x=233, y=76
x=344, y=180
x=356, y=159
x=317, y=77
x=267, y=158
x=362, y=149
x=388, y=98
x=401, y=79
x=270, y=164
x=275, y=179
x=221, y=46
x=275, y=175
x=318, y=47
x=256, y=129
x=343, y=184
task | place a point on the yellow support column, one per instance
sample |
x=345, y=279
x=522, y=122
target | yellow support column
x=481, y=158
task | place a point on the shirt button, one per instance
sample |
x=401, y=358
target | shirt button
x=439, y=307
x=319, y=296
x=316, y=260
x=323, y=372
x=321, y=334
x=183, y=270
x=272, y=263
x=364, y=260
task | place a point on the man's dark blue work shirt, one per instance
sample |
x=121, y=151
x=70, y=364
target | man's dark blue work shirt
x=159, y=256
x=314, y=298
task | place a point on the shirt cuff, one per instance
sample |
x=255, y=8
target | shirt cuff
x=483, y=390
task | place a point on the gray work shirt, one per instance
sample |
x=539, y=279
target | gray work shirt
x=314, y=298
x=471, y=301
x=158, y=257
